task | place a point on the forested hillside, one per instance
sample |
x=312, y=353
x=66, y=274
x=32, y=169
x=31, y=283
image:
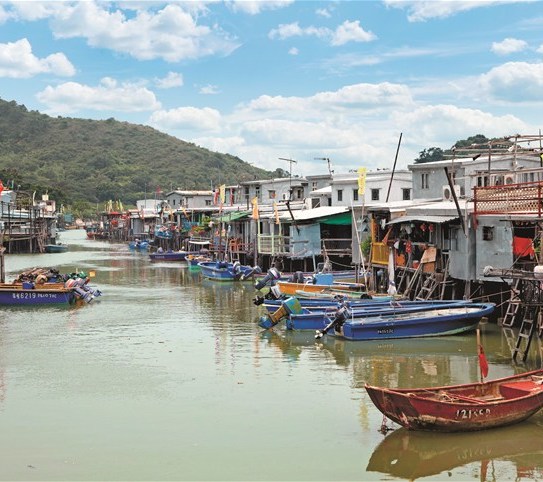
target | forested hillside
x=94, y=161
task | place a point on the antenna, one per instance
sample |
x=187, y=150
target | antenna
x=290, y=172
x=330, y=171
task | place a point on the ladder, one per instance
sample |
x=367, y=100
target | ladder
x=413, y=281
x=525, y=333
x=428, y=287
x=513, y=305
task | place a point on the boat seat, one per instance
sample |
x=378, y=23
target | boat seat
x=518, y=389
x=538, y=379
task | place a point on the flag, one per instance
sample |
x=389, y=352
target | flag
x=222, y=193
x=216, y=196
x=275, y=210
x=483, y=363
x=391, y=274
x=361, y=180
x=1, y=186
x=254, y=202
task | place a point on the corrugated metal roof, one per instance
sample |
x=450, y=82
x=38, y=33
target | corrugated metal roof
x=423, y=218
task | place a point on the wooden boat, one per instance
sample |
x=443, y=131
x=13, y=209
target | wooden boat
x=224, y=271
x=334, y=287
x=170, y=255
x=410, y=455
x=56, y=248
x=194, y=259
x=462, y=408
x=440, y=321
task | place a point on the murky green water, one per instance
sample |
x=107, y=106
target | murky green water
x=168, y=377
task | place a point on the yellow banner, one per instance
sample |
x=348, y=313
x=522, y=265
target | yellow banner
x=254, y=202
x=222, y=193
x=361, y=180
x=276, y=211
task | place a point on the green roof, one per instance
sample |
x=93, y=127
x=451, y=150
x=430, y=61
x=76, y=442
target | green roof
x=233, y=216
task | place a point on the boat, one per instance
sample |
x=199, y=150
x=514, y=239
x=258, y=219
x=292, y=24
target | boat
x=462, y=408
x=312, y=315
x=441, y=320
x=56, y=248
x=169, y=255
x=410, y=455
x=139, y=245
x=225, y=271
x=322, y=285
x=28, y=294
x=194, y=259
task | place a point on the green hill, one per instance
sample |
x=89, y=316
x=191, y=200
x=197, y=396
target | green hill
x=94, y=161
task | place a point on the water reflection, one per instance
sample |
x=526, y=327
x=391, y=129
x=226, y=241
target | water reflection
x=412, y=455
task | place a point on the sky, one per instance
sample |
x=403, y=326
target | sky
x=309, y=81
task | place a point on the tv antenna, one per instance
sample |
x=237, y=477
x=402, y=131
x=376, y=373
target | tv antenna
x=330, y=171
x=290, y=171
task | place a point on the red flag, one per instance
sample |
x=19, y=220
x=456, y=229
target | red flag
x=1, y=186
x=483, y=363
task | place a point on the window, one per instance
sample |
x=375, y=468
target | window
x=355, y=194
x=375, y=194
x=173, y=202
x=425, y=178
x=208, y=202
x=488, y=233
x=340, y=194
x=314, y=185
x=257, y=192
x=406, y=194
x=271, y=194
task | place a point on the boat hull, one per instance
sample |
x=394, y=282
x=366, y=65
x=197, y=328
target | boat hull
x=463, y=408
x=219, y=271
x=16, y=295
x=55, y=248
x=170, y=256
x=442, y=321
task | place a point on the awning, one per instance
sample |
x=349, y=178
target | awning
x=342, y=219
x=233, y=216
x=423, y=219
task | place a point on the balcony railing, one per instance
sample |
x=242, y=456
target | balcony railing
x=522, y=198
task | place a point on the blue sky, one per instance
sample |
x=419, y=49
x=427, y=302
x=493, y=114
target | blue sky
x=265, y=80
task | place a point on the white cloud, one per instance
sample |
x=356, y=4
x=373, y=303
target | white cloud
x=540, y=49
x=171, y=33
x=18, y=61
x=293, y=51
x=439, y=125
x=351, y=32
x=514, y=82
x=346, y=32
x=508, y=46
x=187, y=118
x=254, y=7
x=108, y=95
x=173, y=79
x=422, y=10
x=323, y=12
x=349, y=98
x=209, y=90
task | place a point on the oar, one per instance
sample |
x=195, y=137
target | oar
x=339, y=317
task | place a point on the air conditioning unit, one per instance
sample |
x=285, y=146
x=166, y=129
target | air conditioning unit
x=509, y=179
x=447, y=195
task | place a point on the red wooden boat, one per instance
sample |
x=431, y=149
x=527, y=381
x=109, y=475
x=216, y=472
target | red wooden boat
x=462, y=408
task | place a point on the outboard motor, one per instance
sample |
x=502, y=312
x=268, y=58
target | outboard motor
x=271, y=277
x=297, y=277
x=342, y=313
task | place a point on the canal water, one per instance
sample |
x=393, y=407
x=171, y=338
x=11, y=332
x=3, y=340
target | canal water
x=167, y=376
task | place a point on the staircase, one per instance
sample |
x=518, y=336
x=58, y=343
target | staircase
x=513, y=305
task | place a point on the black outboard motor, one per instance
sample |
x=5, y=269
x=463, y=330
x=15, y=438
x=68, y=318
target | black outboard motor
x=342, y=313
x=270, y=279
x=297, y=277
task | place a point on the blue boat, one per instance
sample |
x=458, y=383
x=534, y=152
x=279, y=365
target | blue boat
x=170, y=255
x=138, y=245
x=24, y=294
x=225, y=271
x=56, y=248
x=306, y=315
x=440, y=321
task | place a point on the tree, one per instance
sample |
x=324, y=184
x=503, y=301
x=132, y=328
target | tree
x=431, y=154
